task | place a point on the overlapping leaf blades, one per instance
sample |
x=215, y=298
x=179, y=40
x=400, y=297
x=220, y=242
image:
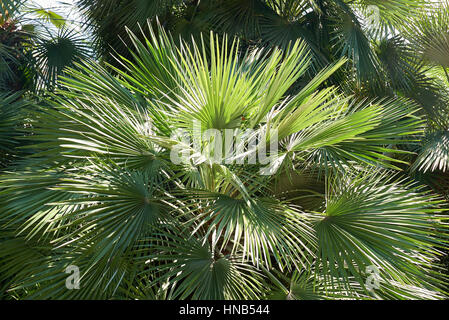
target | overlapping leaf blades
x=102, y=193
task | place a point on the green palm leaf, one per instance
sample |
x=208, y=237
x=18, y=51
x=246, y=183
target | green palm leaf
x=434, y=155
x=53, y=54
x=369, y=221
x=11, y=118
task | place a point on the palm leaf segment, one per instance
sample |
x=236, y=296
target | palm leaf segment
x=11, y=117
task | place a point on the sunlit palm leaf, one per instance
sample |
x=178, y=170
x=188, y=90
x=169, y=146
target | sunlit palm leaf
x=56, y=53
x=196, y=270
x=370, y=221
x=434, y=155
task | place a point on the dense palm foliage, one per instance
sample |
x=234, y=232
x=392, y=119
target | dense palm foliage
x=357, y=111
x=36, y=44
x=331, y=28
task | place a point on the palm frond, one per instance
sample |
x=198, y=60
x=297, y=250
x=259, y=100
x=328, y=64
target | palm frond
x=194, y=269
x=55, y=53
x=11, y=117
x=370, y=221
x=8, y=8
x=429, y=35
x=434, y=155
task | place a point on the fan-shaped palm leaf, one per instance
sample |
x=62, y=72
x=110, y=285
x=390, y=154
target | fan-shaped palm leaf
x=434, y=155
x=56, y=53
x=368, y=221
x=11, y=117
